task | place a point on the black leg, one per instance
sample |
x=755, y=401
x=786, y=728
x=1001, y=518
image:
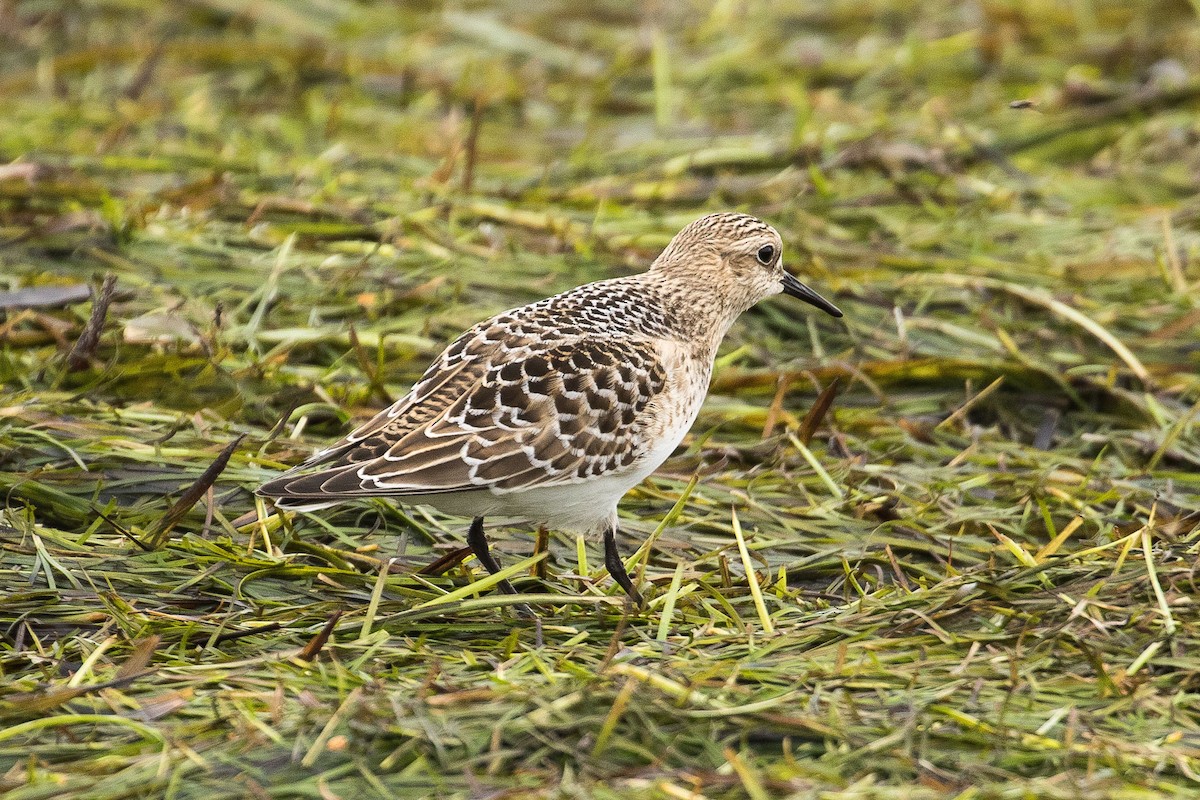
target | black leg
x=616, y=567
x=479, y=545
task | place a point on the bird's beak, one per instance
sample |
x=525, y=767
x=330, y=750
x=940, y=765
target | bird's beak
x=795, y=288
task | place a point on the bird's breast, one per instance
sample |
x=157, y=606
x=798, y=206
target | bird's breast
x=671, y=414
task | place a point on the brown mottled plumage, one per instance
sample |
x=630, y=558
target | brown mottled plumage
x=552, y=411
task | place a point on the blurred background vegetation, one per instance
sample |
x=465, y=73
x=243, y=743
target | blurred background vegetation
x=972, y=578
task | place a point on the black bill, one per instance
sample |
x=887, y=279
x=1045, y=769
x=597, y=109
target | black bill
x=795, y=288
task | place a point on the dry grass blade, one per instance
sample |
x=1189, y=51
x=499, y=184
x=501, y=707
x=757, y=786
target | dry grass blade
x=446, y=562
x=192, y=495
x=139, y=658
x=311, y=650
x=812, y=420
x=145, y=74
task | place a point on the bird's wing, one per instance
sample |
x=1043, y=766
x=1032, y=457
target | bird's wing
x=498, y=412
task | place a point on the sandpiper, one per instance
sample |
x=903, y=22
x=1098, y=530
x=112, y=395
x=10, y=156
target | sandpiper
x=551, y=412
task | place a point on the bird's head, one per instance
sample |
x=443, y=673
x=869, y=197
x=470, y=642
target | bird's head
x=736, y=257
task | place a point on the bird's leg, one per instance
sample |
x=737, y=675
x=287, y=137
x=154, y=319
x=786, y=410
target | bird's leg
x=616, y=567
x=479, y=546
x=541, y=546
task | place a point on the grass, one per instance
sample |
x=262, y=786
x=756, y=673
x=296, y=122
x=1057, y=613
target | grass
x=975, y=578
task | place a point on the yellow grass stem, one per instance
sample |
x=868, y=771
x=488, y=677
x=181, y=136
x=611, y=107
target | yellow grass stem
x=331, y=725
x=962, y=410
x=376, y=594
x=476, y=587
x=1152, y=571
x=640, y=555
x=614, y=716
x=816, y=465
x=751, y=576
x=1052, y=547
x=664, y=623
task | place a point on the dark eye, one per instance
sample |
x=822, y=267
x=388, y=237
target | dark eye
x=766, y=254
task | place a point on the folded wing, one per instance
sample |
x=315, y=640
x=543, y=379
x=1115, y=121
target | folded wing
x=501, y=411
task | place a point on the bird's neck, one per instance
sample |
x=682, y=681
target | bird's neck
x=695, y=314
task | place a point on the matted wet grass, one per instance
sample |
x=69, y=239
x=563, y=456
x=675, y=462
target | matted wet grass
x=974, y=577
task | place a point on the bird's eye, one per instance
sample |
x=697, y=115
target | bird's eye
x=766, y=254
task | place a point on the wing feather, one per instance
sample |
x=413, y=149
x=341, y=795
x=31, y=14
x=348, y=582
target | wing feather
x=504, y=408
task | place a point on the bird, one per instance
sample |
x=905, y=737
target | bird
x=551, y=412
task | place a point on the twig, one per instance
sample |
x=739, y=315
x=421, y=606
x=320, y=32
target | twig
x=472, y=146
x=84, y=351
